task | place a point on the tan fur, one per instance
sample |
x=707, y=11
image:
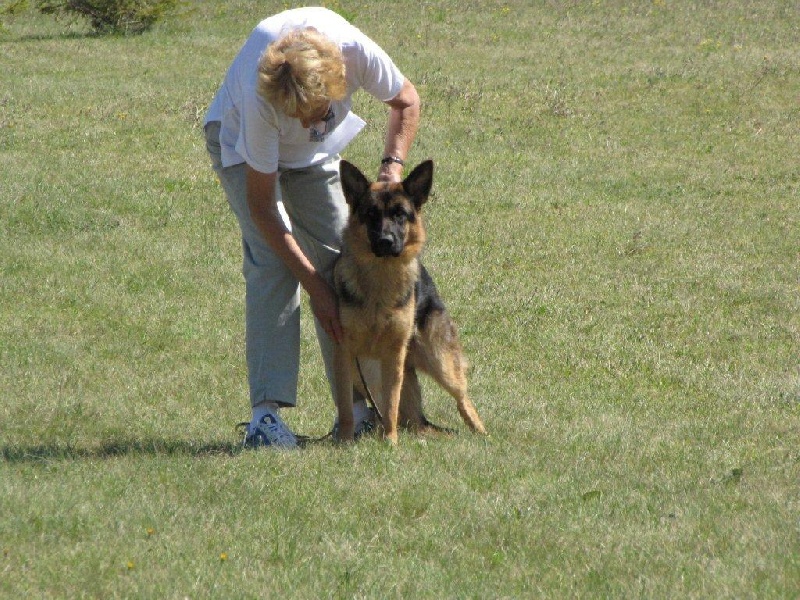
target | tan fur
x=377, y=310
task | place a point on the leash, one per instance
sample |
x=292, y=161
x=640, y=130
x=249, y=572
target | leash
x=373, y=406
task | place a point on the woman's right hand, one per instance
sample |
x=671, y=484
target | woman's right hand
x=325, y=307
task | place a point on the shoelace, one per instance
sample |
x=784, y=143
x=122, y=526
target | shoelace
x=279, y=432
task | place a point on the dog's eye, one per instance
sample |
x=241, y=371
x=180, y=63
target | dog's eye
x=400, y=214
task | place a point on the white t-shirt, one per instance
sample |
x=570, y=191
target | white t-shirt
x=255, y=132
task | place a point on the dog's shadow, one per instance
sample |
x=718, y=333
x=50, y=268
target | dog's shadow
x=43, y=453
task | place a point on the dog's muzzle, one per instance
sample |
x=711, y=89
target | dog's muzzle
x=387, y=245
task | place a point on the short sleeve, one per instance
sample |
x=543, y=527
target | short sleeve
x=371, y=69
x=259, y=134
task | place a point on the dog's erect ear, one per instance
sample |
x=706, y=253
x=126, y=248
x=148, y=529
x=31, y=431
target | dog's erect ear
x=418, y=183
x=354, y=184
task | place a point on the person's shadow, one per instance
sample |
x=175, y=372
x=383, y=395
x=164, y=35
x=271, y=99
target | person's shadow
x=35, y=453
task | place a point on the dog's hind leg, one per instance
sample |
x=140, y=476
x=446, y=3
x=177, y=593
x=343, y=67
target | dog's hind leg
x=451, y=377
x=438, y=353
x=411, y=414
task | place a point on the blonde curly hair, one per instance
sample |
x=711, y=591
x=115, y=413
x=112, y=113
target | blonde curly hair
x=301, y=73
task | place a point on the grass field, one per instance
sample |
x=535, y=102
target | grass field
x=615, y=226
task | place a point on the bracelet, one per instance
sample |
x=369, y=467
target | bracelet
x=393, y=159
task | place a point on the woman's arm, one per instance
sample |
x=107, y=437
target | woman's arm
x=401, y=131
x=264, y=211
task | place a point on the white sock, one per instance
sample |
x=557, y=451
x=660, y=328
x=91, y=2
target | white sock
x=263, y=408
x=361, y=411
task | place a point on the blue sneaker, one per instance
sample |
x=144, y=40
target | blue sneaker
x=269, y=431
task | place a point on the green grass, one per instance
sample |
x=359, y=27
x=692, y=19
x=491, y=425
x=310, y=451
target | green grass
x=615, y=226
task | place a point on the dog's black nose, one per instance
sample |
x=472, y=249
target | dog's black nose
x=384, y=246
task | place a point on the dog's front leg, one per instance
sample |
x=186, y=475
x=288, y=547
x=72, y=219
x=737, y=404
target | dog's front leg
x=392, y=384
x=343, y=391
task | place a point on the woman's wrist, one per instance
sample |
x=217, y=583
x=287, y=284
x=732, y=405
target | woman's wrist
x=391, y=170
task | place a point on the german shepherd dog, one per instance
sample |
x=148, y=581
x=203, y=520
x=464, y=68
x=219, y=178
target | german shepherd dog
x=391, y=312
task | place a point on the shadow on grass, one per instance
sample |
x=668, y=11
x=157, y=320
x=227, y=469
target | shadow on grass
x=116, y=448
x=7, y=37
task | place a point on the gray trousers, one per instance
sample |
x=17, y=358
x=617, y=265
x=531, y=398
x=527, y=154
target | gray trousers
x=314, y=209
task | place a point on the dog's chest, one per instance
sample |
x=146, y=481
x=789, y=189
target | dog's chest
x=376, y=312
x=372, y=332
